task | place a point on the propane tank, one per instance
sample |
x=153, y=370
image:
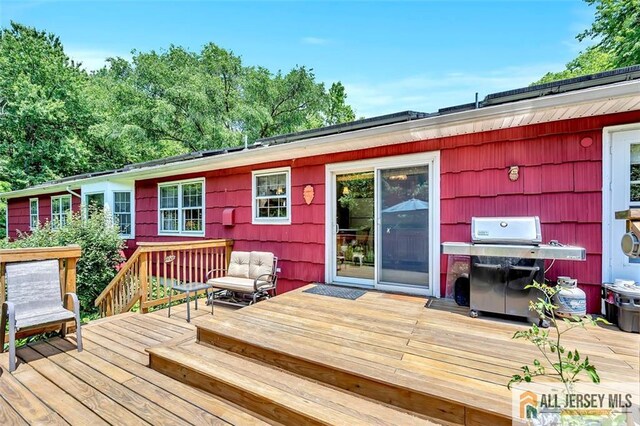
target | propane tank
x=571, y=300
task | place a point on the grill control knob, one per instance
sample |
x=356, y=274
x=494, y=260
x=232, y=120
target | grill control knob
x=504, y=224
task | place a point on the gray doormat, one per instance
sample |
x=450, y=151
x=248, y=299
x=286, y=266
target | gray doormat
x=333, y=291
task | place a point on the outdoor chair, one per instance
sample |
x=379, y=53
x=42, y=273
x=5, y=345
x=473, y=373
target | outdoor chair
x=249, y=273
x=33, y=301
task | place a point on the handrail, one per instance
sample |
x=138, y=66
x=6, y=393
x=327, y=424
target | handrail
x=148, y=274
x=123, y=270
x=67, y=257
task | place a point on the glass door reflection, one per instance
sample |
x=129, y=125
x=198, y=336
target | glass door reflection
x=354, y=233
x=404, y=211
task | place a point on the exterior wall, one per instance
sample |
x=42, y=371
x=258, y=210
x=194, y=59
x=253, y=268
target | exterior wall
x=560, y=181
x=18, y=211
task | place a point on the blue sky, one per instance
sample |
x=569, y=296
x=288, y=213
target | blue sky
x=391, y=56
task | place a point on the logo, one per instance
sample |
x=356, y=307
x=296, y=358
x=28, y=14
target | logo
x=528, y=405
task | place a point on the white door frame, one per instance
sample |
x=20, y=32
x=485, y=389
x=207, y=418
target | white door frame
x=432, y=159
x=607, y=196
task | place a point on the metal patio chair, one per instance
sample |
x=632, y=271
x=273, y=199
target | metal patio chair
x=254, y=274
x=33, y=301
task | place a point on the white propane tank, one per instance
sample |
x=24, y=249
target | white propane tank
x=571, y=301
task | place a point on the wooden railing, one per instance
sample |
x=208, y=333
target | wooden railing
x=146, y=276
x=67, y=259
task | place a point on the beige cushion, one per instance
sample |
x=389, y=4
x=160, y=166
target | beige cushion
x=242, y=285
x=261, y=262
x=239, y=264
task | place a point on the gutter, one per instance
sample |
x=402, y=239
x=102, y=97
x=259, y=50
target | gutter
x=408, y=131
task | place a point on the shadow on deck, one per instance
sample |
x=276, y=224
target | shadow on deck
x=298, y=358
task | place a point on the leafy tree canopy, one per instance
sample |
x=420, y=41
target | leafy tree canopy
x=616, y=31
x=57, y=120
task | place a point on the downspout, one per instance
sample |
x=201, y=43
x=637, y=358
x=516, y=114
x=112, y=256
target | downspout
x=70, y=191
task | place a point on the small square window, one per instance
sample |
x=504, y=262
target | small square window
x=271, y=196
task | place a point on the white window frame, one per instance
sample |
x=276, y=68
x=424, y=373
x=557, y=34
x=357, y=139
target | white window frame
x=85, y=201
x=55, y=224
x=255, y=220
x=131, y=234
x=31, y=215
x=180, y=231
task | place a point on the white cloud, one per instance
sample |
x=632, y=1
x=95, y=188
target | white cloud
x=92, y=59
x=429, y=92
x=317, y=41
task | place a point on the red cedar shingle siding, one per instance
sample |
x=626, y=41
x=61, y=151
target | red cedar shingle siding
x=560, y=181
x=19, y=211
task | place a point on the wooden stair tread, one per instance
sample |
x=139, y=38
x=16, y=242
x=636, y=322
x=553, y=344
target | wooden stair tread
x=283, y=392
x=497, y=401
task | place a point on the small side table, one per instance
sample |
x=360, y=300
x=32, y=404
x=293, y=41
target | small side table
x=188, y=288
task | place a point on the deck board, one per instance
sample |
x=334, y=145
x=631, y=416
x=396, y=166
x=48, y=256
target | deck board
x=436, y=350
x=109, y=382
x=439, y=350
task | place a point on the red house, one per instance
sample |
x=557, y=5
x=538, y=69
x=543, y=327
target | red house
x=368, y=203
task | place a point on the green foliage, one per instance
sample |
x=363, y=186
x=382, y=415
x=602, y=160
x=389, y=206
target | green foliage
x=616, y=29
x=557, y=362
x=42, y=108
x=591, y=61
x=101, y=252
x=161, y=103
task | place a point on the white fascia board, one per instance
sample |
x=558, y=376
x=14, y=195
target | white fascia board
x=408, y=131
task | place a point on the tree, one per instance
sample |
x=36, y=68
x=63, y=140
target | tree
x=616, y=28
x=43, y=113
x=57, y=120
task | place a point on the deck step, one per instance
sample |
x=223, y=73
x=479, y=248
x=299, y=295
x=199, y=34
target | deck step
x=271, y=392
x=302, y=356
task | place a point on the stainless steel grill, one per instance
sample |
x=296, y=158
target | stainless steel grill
x=506, y=256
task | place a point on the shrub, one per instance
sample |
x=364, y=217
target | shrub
x=101, y=251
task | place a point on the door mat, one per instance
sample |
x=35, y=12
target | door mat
x=333, y=291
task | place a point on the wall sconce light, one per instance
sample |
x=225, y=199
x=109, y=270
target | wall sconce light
x=514, y=173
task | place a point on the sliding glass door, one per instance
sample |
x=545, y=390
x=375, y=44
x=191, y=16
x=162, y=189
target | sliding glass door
x=381, y=233
x=404, y=218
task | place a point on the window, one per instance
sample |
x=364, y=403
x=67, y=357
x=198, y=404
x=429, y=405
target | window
x=122, y=211
x=33, y=213
x=94, y=202
x=181, y=208
x=60, y=209
x=271, y=196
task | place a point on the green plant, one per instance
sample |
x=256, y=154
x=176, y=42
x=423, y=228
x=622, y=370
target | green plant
x=101, y=252
x=557, y=363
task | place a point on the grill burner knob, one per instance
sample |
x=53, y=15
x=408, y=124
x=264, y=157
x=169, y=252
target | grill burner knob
x=630, y=244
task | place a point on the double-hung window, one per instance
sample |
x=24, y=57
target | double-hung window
x=60, y=210
x=272, y=196
x=181, y=207
x=33, y=213
x=122, y=212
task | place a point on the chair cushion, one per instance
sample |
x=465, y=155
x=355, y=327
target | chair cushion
x=260, y=262
x=239, y=264
x=241, y=285
x=33, y=317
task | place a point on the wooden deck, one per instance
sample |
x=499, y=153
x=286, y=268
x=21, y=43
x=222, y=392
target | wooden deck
x=296, y=359
x=433, y=361
x=109, y=382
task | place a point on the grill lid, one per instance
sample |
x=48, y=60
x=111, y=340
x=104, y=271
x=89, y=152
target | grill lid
x=506, y=230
